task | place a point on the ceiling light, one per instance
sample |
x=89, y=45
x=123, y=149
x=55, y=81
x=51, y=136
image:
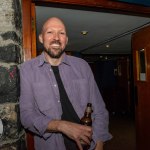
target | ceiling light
x=84, y=32
x=107, y=45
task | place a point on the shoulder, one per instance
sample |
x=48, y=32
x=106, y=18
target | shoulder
x=76, y=60
x=79, y=64
x=28, y=69
x=30, y=63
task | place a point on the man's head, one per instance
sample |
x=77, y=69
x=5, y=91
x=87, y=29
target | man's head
x=54, y=37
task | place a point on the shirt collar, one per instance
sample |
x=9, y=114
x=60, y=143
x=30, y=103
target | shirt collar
x=42, y=60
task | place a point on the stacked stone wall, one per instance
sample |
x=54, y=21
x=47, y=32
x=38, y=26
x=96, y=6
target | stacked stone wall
x=12, y=136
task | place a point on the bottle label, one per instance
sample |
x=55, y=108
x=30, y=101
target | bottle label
x=88, y=110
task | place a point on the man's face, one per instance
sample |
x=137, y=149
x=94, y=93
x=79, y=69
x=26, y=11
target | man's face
x=54, y=38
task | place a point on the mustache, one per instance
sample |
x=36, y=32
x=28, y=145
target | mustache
x=55, y=42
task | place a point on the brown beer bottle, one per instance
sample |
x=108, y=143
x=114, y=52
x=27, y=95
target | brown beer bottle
x=87, y=120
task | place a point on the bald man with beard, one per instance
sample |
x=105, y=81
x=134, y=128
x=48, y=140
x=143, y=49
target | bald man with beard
x=55, y=89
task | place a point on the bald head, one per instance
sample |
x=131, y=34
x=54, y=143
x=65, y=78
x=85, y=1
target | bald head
x=53, y=21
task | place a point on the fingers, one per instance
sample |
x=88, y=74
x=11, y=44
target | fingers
x=85, y=140
x=77, y=132
x=85, y=134
x=85, y=137
x=79, y=145
x=88, y=134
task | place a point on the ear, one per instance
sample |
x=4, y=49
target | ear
x=41, y=38
x=67, y=40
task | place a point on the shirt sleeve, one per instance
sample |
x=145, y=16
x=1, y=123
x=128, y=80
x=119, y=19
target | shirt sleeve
x=31, y=118
x=100, y=114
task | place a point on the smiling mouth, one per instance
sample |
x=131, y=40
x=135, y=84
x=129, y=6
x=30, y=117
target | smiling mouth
x=54, y=45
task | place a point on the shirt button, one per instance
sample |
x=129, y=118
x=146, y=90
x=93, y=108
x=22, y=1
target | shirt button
x=58, y=101
x=55, y=85
x=50, y=69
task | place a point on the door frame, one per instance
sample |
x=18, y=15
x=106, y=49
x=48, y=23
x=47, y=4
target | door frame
x=29, y=25
x=28, y=16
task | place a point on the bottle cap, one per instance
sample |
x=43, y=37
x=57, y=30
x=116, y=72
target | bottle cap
x=89, y=104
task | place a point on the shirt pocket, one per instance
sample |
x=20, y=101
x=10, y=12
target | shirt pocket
x=45, y=98
x=81, y=91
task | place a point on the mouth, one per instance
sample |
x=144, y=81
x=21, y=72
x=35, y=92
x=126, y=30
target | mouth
x=55, y=44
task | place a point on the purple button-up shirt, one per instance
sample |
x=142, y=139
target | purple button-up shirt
x=40, y=100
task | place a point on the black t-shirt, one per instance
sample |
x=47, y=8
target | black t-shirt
x=69, y=113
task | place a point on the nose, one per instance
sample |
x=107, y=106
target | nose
x=56, y=36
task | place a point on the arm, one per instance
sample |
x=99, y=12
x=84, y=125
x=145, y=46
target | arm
x=74, y=131
x=99, y=145
x=100, y=114
x=31, y=118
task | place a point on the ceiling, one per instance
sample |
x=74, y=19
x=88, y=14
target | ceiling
x=108, y=33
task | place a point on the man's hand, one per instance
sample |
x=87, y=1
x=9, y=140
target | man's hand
x=74, y=131
x=99, y=145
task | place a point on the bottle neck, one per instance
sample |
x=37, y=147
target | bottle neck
x=88, y=112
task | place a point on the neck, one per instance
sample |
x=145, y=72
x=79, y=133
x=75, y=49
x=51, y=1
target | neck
x=53, y=61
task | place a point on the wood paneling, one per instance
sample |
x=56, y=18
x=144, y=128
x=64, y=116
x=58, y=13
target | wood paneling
x=140, y=41
x=33, y=30
x=26, y=28
x=104, y=4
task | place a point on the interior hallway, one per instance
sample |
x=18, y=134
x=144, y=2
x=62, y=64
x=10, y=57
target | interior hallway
x=122, y=127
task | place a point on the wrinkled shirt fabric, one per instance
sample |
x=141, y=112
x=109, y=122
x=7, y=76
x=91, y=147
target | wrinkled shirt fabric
x=40, y=100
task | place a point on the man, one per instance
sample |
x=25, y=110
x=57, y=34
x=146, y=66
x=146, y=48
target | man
x=55, y=89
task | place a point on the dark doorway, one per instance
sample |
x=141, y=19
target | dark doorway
x=114, y=78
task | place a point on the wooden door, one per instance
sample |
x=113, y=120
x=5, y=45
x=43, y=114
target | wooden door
x=141, y=63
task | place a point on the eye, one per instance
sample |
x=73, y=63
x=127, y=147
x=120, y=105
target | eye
x=63, y=33
x=49, y=32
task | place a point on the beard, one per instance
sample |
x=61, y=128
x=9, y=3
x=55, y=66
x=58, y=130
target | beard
x=54, y=54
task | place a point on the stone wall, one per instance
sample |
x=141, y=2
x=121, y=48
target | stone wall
x=12, y=136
